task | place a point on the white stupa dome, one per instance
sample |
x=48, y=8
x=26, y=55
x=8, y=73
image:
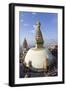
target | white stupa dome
x=39, y=56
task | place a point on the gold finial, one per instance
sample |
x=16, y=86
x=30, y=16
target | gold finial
x=38, y=25
x=39, y=38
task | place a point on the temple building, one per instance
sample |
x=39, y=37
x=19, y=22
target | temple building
x=39, y=57
x=25, y=46
x=23, y=50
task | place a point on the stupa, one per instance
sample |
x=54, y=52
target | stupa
x=39, y=56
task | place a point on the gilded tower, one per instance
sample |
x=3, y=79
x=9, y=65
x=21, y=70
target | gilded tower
x=39, y=38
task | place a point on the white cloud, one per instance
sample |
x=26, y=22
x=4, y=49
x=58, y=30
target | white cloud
x=34, y=13
x=32, y=31
x=34, y=26
x=25, y=24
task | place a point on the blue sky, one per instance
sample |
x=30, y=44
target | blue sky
x=27, y=25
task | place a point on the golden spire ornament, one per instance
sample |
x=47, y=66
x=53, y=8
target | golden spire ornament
x=39, y=38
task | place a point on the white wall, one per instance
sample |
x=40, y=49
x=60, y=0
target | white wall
x=4, y=44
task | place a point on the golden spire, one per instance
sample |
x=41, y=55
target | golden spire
x=39, y=38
